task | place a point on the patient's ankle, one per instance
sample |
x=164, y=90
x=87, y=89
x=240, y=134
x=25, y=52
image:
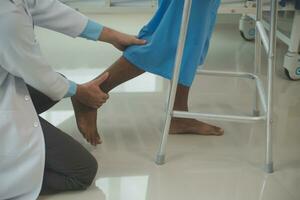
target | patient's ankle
x=106, y=86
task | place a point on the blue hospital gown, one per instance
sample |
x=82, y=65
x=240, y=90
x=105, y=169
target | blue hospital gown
x=162, y=33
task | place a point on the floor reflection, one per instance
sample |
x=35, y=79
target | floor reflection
x=57, y=117
x=124, y=188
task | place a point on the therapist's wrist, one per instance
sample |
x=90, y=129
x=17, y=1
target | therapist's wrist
x=108, y=35
x=72, y=89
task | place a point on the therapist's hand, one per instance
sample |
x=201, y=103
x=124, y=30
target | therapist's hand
x=119, y=40
x=90, y=93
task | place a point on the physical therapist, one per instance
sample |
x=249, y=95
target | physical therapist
x=34, y=155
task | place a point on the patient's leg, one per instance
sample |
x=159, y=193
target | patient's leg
x=86, y=118
x=189, y=126
x=122, y=71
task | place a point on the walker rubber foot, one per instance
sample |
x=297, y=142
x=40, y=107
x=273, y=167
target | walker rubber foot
x=160, y=159
x=269, y=168
x=256, y=113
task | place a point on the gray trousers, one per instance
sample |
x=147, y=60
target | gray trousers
x=68, y=166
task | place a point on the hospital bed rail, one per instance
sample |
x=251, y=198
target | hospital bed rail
x=291, y=61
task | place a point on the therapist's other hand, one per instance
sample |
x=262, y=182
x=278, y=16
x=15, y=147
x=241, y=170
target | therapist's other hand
x=119, y=40
x=90, y=93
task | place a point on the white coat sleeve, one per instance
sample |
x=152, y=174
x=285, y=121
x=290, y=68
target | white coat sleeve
x=54, y=15
x=20, y=55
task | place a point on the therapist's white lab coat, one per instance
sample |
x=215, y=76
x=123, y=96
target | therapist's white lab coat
x=22, y=148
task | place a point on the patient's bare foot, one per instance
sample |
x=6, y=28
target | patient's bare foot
x=192, y=126
x=86, y=119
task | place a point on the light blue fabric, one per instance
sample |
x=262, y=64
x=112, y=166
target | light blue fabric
x=162, y=33
x=92, y=31
x=72, y=89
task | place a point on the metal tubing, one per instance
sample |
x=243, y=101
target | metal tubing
x=226, y=74
x=261, y=95
x=271, y=70
x=257, y=64
x=263, y=34
x=280, y=34
x=259, y=86
x=209, y=116
x=172, y=93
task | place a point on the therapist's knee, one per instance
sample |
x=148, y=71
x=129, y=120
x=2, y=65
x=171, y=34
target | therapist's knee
x=88, y=174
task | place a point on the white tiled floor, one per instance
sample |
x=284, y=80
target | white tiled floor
x=198, y=167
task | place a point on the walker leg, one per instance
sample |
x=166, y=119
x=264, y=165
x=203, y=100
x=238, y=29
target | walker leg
x=160, y=158
x=269, y=157
x=271, y=69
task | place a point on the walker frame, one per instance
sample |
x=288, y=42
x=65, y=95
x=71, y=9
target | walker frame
x=263, y=102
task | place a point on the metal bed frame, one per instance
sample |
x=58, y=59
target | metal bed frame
x=291, y=62
x=261, y=98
